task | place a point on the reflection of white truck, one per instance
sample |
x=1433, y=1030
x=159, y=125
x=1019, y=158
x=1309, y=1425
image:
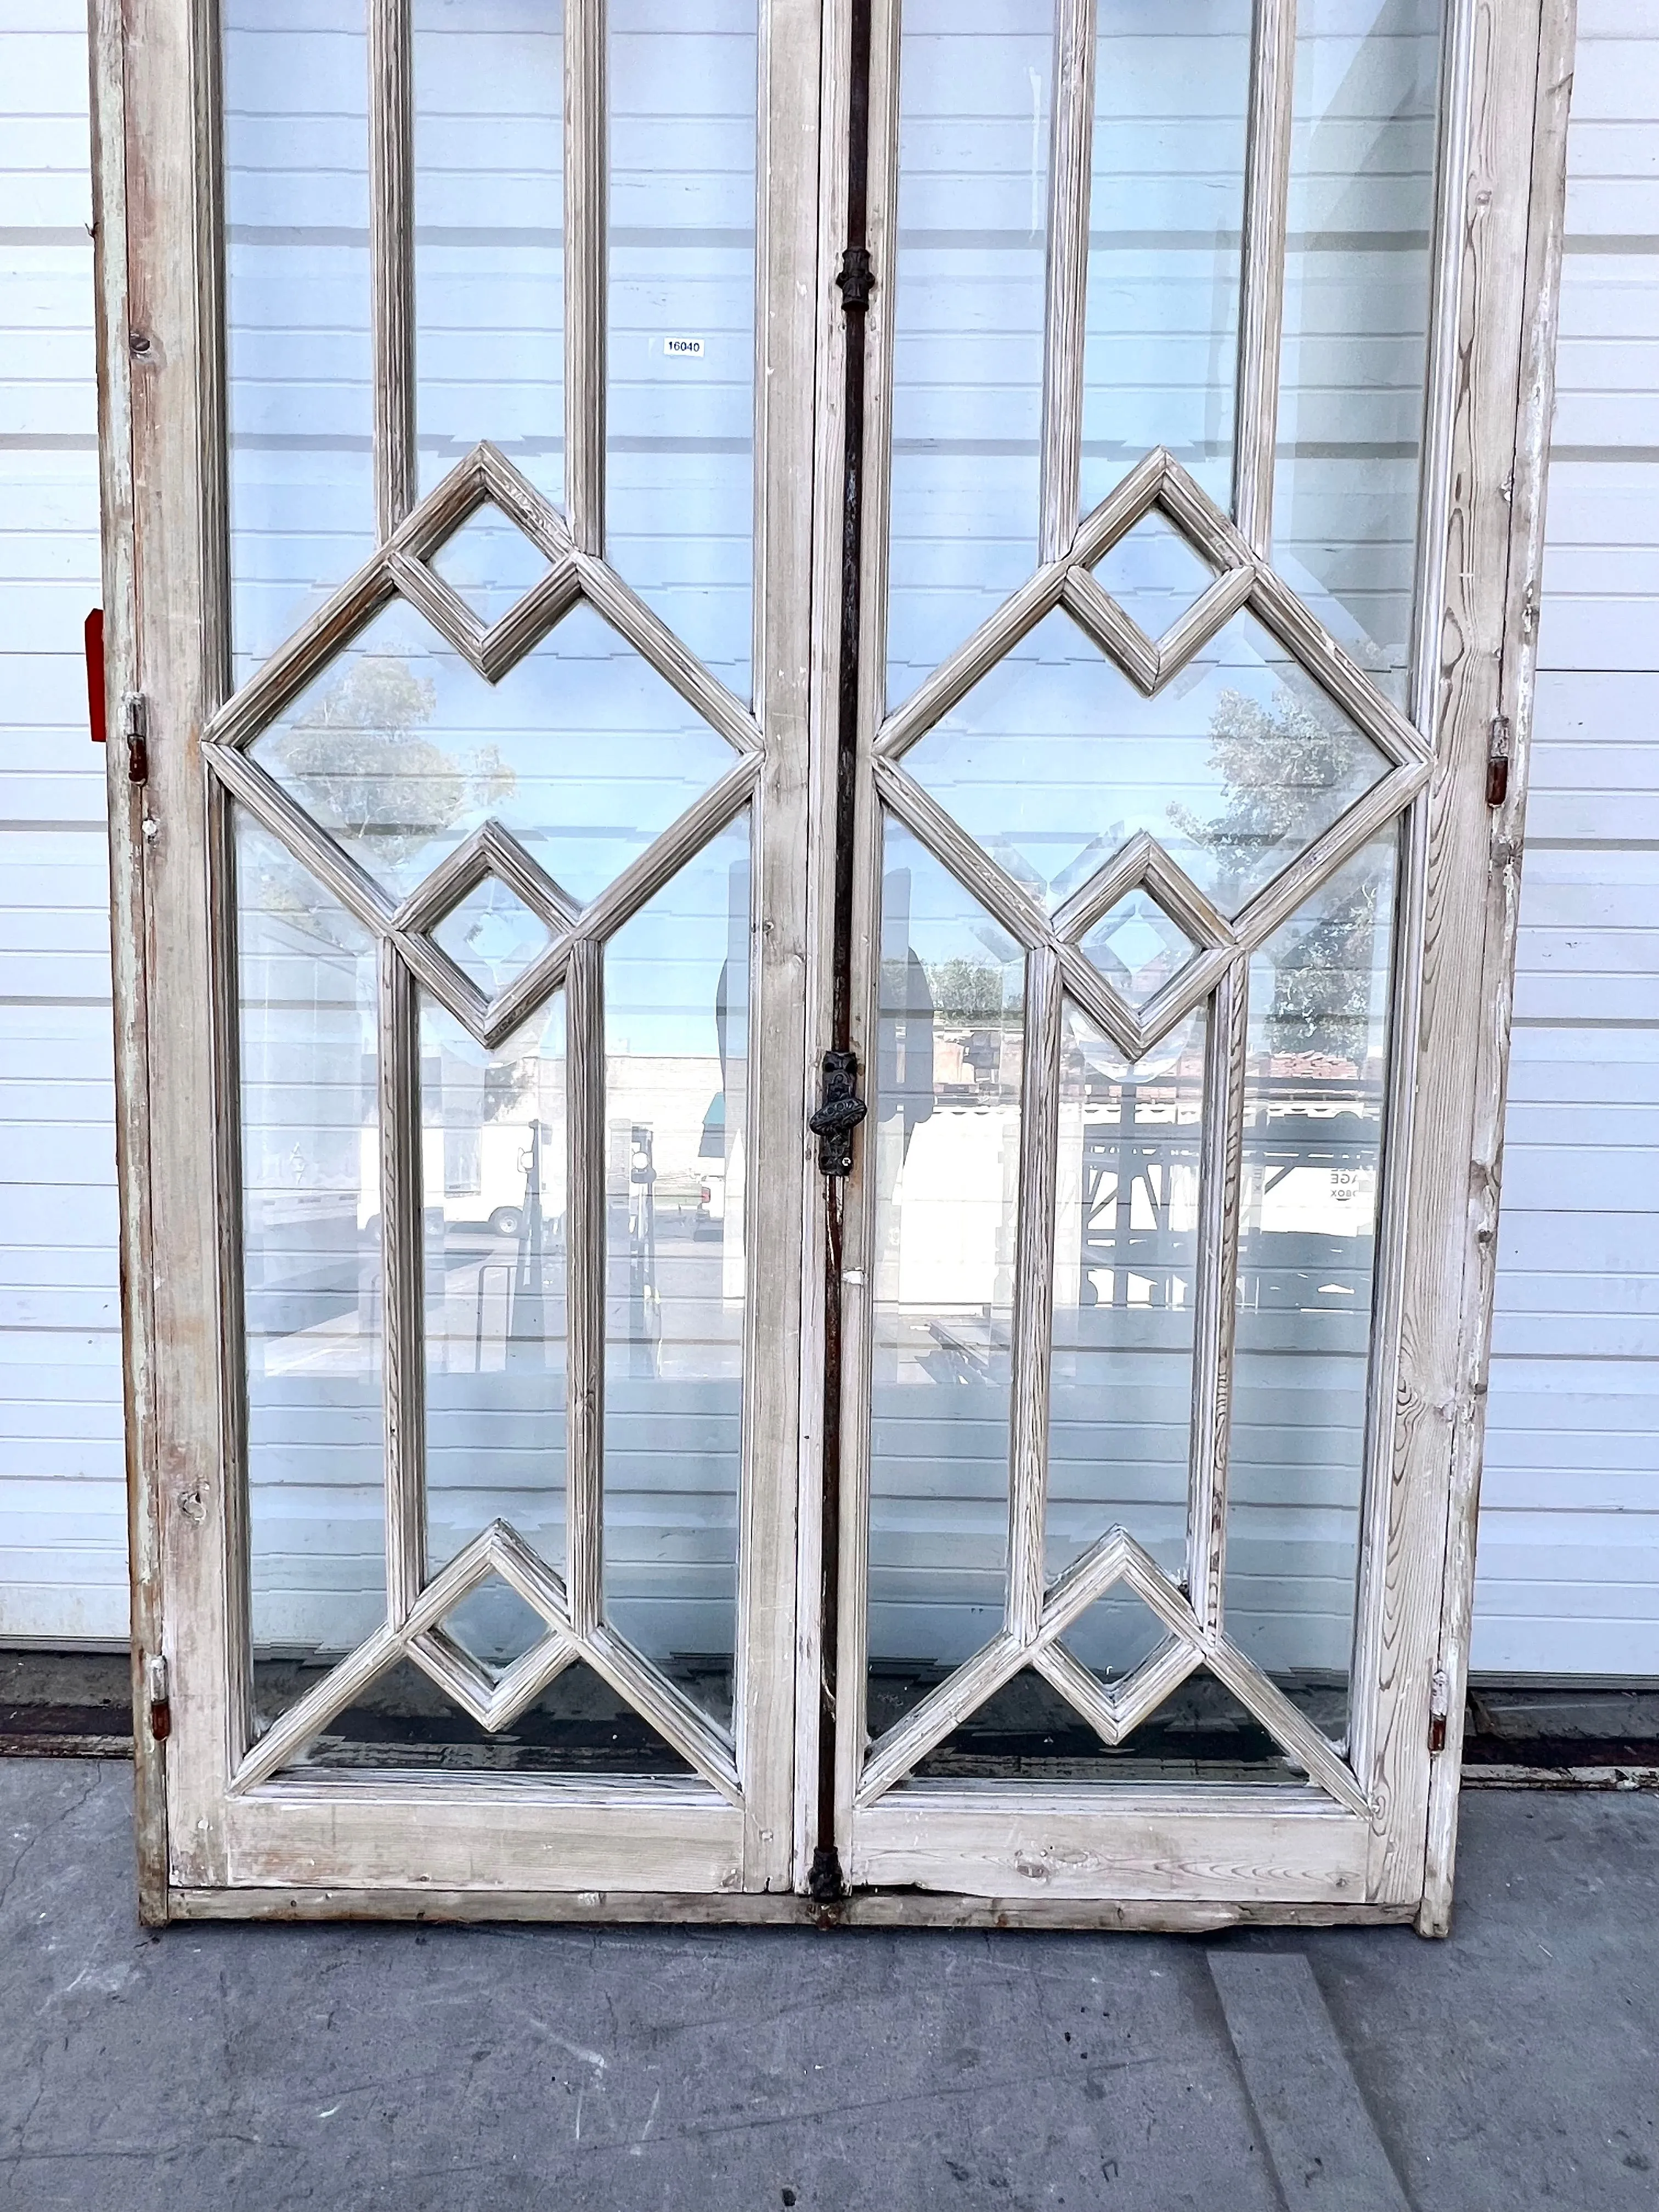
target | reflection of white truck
x=478, y=1176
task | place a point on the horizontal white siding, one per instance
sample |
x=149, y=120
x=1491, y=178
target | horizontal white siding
x=62, y=1549
x=1569, y=1560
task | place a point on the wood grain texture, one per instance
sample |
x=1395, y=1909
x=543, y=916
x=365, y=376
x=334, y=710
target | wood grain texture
x=1215, y=1293
x=1071, y=134
x=1545, y=221
x=1033, y=1292
x=585, y=1290
x=392, y=256
x=587, y=168
x=402, y=1271
x=1262, y=282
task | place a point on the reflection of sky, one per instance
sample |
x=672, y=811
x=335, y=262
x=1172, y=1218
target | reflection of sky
x=662, y=969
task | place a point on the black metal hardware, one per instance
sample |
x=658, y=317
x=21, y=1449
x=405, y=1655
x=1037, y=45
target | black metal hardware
x=1497, y=761
x=842, y=1111
x=839, y=1114
x=134, y=715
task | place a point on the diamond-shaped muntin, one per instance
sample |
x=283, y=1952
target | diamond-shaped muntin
x=398, y=570
x=1241, y=583
x=494, y=1700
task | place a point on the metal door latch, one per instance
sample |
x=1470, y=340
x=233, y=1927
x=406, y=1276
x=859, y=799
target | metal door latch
x=156, y=1693
x=135, y=728
x=840, y=1111
x=1439, y=1710
x=1497, y=761
x=856, y=278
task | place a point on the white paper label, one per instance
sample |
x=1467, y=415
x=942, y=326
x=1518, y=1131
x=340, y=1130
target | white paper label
x=682, y=349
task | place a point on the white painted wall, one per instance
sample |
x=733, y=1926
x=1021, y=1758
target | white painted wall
x=1569, y=1563
x=62, y=1571
x=1570, y=1546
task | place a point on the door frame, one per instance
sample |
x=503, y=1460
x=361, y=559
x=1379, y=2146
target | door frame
x=1496, y=259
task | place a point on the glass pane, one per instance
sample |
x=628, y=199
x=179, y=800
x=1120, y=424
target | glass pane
x=310, y=1269
x=680, y=413
x=1154, y=575
x=1357, y=295
x=1054, y=760
x=1137, y=948
x=582, y=750
x=968, y=316
x=298, y=368
x=404, y=1722
x=1125, y=1252
x=945, y=1125
x=677, y=1073
x=489, y=563
x=489, y=235
x=493, y=1157
x=1166, y=213
x=492, y=936
x=1313, y=1146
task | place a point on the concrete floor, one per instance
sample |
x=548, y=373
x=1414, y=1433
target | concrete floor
x=250, y=2069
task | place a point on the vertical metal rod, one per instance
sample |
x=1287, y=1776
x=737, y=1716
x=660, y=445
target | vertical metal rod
x=392, y=256
x=825, y=1881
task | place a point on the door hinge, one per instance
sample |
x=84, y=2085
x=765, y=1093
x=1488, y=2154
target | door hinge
x=135, y=728
x=1439, y=1710
x=1497, y=761
x=840, y=1111
x=856, y=278
x=156, y=1693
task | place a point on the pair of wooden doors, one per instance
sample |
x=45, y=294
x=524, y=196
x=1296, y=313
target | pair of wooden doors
x=646, y=545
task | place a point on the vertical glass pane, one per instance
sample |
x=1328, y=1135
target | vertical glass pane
x=1125, y=1259
x=1165, y=214
x=944, y=1126
x=298, y=369
x=968, y=317
x=676, y=1072
x=1356, y=296
x=489, y=234
x=493, y=1160
x=311, y=1274
x=680, y=419
x=1313, y=1146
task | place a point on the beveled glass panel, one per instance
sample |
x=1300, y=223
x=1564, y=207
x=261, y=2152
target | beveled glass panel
x=967, y=302
x=489, y=234
x=944, y=1139
x=1154, y=574
x=403, y=1723
x=1137, y=947
x=1165, y=214
x=493, y=1154
x=298, y=369
x=493, y=1625
x=492, y=936
x=1054, y=760
x=1313, y=1148
x=1358, y=285
x=311, y=1256
x=1126, y=1255
x=400, y=750
x=677, y=1163
x=489, y=563
x=680, y=407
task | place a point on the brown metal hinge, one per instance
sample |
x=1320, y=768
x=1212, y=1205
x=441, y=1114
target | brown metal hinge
x=135, y=728
x=1439, y=1710
x=156, y=1693
x=1497, y=761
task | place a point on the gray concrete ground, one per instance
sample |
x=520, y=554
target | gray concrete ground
x=251, y=2069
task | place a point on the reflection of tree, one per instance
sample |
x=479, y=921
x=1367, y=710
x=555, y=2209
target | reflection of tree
x=967, y=991
x=355, y=762
x=1279, y=767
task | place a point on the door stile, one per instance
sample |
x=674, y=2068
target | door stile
x=1216, y=1292
x=392, y=256
x=1545, y=223
x=1261, y=290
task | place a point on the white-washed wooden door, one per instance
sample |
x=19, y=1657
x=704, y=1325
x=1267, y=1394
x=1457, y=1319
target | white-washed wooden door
x=1191, y=420
x=470, y=375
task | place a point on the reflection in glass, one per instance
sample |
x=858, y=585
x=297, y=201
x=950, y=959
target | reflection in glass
x=1165, y=214
x=1137, y=948
x=1054, y=760
x=1313, y=1146
x=676, y=1069
x=1154, y=575
x=489, y=563
x=968, y=317
x=298, y=363
x=944, y=1128
x=489, y=234
x=492, y=936
x=311, y=1267
x=1357, y=296
x=493, y=1169
x=401, y=751
x=1126, y=1231
x=680, y=410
